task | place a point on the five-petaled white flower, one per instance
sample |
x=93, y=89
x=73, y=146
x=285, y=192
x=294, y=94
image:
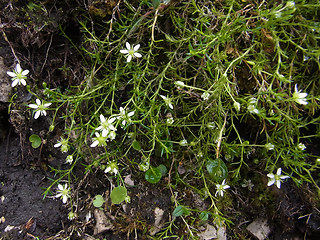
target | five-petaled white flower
x=221, y=188
x=112, y=168
x=41, y=108
x=63, y=192
x=99, y=140
x=277, y=178
x=131, y=51
x=63, y=143
x=18, y=75
x=69, y=159
x=167, y=101
x=125, y=116
x=106, y=126
x=205, y=96
x=299, y=97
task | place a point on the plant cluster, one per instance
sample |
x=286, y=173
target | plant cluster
x=229, y=86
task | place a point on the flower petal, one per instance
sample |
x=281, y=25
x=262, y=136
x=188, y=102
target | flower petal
x=271, y=182
x=129, y=58
x=128, y=46
x=57, y=145
x=35, y=106
x=278, y=184
x=124, y=51
x=136, y=47
x=138, y=55
x=25, y=72
x=23, y=82
x=11, y=74
x=95, y=143
x=15, y=82
x=38, y=101
x=37, y=114
x=279, y=171
x=18, y=68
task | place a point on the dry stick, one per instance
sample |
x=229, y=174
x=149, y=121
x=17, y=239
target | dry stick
x=13, y=52
x=47, y=53
x=220, y=135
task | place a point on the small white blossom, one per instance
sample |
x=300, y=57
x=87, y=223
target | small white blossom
x=221, y=188
x=301, y=146
x=170, y=120
x=179, y=83
x=269, y=146
x=167, y=101
x=144, y=166
x=41, y=108
x=299, y=97
x=277, y=178
x=99, y=140
x=69, y=159
x=125, y=116
x=131, y=51
x=252, y=108
x=112, y=168
x=18, y=75
x=63, y=192
x=106, y=126
x=63, y=143
x=205, y=96
x=183, y=143
x=248, y=184
x=237, y=106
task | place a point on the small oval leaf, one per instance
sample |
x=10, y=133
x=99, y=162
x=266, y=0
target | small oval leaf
x=118, y=195
x=163, y=169
x=98, y=201
x=136, y=145
x=217, y=169
x=153, y=175
x=35, y=140
x=180, y=210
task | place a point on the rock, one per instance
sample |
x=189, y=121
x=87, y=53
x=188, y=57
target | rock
x=259, y=228
x=211, y=232
x=5, y=87
x=102, y=222
x=158, y=215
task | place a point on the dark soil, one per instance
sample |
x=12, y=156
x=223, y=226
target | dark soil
x=25, y=172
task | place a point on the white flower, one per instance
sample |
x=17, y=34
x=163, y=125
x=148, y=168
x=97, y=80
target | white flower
x=106, y=126
x=205, y=96
x=183, y=143
x=170, y=120
x=63, y=143
x=167, y=101
x=252, y=108
x=237, y=106
x=63, y=192
x=248, y=184
x=125, y=116
x=131, y=51
x=301, y=146
x=269, y=146
x=112, y=168
x=299, y=97
x=276, y=178
x=99, y=140
x=69, y=159
x=18, y=75
x=179, y=83
x=221, y=188
x=41, y=108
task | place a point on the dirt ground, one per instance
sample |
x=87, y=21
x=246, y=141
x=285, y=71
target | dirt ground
x=25, y=172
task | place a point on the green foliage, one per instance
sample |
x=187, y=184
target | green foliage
x=35, y=140
x=98, y=201
x=180, y=210
x=217, y=169
x=118, y=195
x=153, y=175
